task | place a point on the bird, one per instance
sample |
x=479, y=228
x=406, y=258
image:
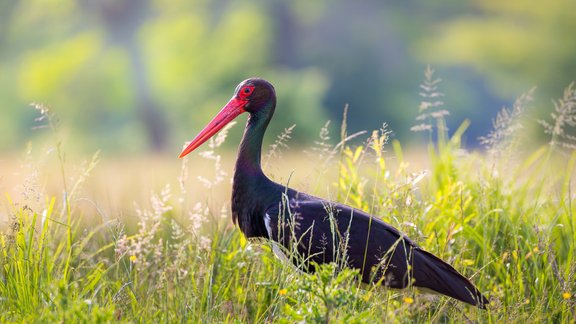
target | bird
x=316, y=230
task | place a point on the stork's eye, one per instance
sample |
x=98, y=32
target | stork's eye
x=246, y=91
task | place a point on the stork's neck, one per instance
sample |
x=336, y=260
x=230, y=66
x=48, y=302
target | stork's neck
x=252, y=191
x=250, y=150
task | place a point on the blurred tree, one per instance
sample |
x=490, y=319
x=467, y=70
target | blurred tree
x=358, y=47
x=115, y=70
x=122, y=20
x=286, y=30
x=99, y=64
x=516, y=44
x=6, y=12
x=9, y=121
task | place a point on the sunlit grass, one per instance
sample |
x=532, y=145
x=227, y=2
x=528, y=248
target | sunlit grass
x=143, y=239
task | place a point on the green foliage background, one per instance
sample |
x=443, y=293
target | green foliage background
x=135, y=75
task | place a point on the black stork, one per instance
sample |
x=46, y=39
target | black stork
x=316, y=229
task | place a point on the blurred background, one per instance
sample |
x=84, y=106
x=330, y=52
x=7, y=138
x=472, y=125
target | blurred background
x=138, y=76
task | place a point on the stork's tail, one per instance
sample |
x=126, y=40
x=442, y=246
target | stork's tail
x=432, y=273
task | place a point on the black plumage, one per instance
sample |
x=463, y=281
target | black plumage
x=317, y=230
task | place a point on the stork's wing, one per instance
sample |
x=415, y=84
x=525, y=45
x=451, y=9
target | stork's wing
x=323, y=232
x=320, y=231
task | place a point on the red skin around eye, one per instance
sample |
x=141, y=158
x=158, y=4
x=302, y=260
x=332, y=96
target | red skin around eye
x=243, y=93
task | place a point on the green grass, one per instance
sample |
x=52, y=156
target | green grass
x=505, y=219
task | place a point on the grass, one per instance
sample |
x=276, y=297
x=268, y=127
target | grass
x=503, y=218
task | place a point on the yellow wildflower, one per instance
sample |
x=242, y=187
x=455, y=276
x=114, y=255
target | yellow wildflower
x=132, y=258
x=367, y=296
x=566, y=295
x=282, y=292
x=408, y=300
x=468, y=262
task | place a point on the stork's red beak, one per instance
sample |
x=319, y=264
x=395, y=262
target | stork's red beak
x=233, y=108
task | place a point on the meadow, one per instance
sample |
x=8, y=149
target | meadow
x=150, y=238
